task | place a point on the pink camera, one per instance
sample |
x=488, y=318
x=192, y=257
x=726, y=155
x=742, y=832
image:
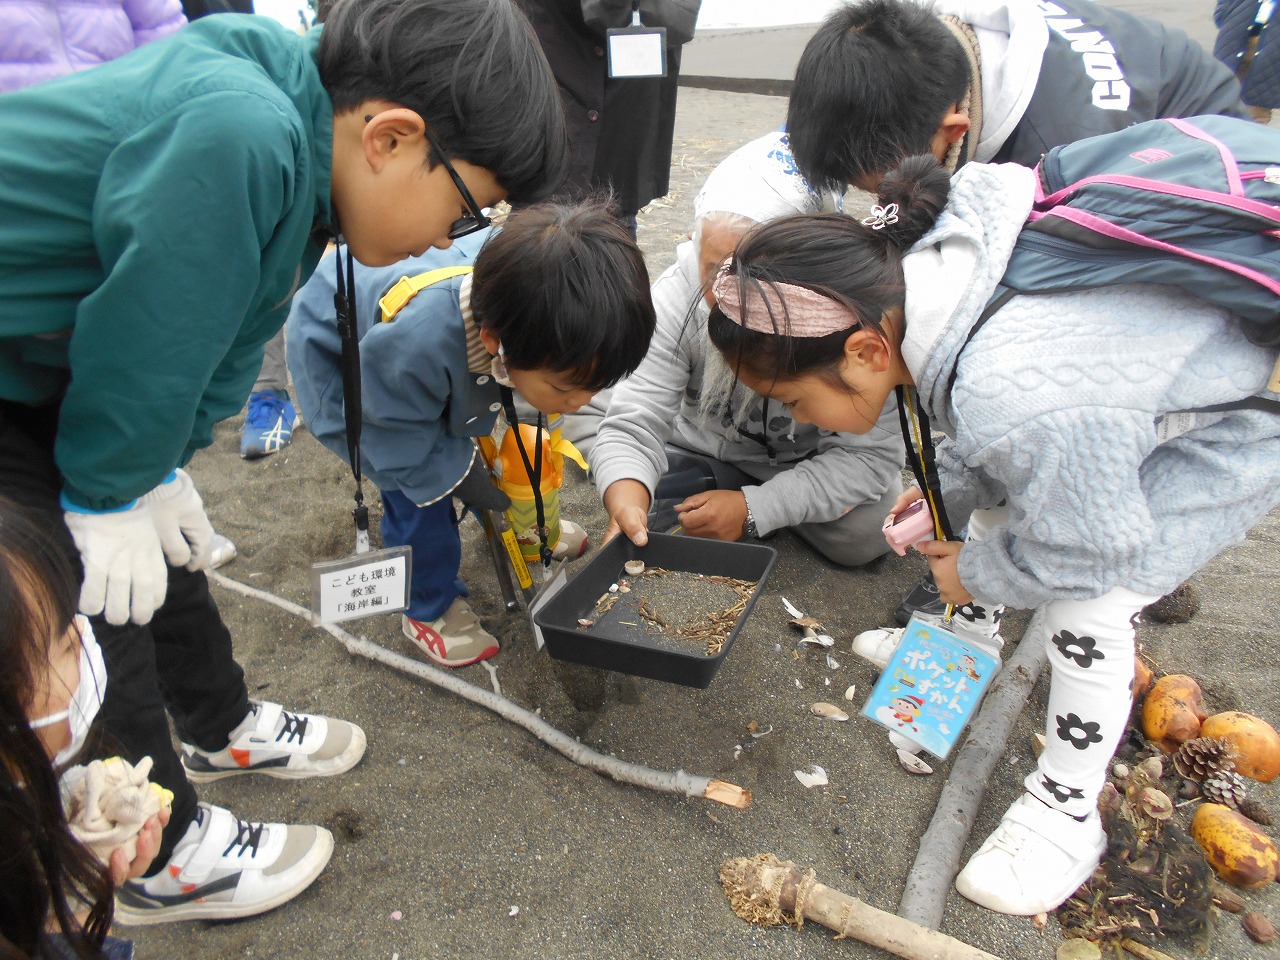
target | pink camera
x=908, y=526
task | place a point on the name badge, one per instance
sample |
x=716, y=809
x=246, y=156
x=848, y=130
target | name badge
x=360, y=586
x=637, y=52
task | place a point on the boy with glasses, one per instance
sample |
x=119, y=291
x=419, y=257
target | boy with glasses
x=157, y=215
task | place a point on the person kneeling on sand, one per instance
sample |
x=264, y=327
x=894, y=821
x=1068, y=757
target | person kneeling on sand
x=556, y=307
x=738, y=464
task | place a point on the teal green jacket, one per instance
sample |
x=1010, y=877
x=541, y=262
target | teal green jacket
x=157, y=214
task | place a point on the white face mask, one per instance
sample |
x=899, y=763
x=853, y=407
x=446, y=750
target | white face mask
x=86, y=700
x=498, y=367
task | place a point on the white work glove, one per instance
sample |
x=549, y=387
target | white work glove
x=178, y=512
x=125, y=576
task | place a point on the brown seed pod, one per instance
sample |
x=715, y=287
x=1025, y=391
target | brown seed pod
x=1256, y=812
x=1258, y=927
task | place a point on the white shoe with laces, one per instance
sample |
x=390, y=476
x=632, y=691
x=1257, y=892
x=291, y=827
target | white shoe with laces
x=878, y=645
x=225, y=867
x=1034, y=861
x=279, y=743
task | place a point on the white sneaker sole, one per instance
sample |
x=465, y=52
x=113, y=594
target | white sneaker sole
x=315, y=861
x=341, y=764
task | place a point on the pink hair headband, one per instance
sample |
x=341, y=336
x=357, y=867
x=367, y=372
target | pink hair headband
x=806, y=313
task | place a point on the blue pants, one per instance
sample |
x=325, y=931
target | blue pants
x=432, y=533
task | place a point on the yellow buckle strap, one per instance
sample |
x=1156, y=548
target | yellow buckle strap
x=406, y=288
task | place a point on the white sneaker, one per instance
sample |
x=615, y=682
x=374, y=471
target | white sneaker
x=279, y=743
x=878, y=645
x=1034, y=860
x=225, y=867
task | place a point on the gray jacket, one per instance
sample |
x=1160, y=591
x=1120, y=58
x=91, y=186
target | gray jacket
x=833, y=472
x=1066, y=405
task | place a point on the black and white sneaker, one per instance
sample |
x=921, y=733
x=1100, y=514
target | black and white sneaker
x=225, y=867
x=280, y=743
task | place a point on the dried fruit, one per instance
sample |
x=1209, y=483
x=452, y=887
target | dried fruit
x=1173, y=711
x=1226, y=788
x=828, y=711
x=1256, y=743
x=1239, y=852
x=1258, y=927
x=1204, y=756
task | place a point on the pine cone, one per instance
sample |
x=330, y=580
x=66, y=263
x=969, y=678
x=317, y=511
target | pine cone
x=1255, y=811
x=1227, y=788
x=1201, y=758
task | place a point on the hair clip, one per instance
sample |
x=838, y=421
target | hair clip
x=881, y=217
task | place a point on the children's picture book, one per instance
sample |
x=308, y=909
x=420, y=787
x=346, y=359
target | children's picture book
x=931, y=687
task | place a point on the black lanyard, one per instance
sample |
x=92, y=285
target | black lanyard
x=534, y=472
x=344, y=302
x=920, y=454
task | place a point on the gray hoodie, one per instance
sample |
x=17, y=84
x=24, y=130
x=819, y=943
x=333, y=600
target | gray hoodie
x=833, y=472
x=1066, y=405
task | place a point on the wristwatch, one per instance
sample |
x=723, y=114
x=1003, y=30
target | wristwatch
x=749, y=528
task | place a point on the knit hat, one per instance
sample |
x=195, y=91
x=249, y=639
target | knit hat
x=759, y=181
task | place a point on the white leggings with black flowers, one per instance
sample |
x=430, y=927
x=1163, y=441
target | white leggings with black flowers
x=1090, y=650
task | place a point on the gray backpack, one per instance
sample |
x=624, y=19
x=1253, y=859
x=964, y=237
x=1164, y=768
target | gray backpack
x=1190, y=203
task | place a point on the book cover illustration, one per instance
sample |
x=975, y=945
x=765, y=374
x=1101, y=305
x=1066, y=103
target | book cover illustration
x=931, y=687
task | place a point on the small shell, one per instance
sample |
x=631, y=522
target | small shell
x=1120, y=771
x=634, y=567
x=849, y=693
x=623, y=588
x=613, y=588
x=815, y=776
x=832, y=663
x=829, y=711
x=584, y=622
x=913, y=764
x=762, y=732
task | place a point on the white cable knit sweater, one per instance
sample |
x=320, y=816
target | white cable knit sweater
x=1056, y=407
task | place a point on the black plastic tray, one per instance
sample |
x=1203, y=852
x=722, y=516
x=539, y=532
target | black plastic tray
x=613, y=647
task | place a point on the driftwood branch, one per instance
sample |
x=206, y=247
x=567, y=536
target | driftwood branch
x=766, y=891
x=938, y=857
x=678, y=782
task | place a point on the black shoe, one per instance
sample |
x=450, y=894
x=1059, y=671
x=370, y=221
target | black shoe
x=923, y=598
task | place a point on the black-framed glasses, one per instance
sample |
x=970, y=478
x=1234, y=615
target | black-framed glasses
x=468, y=222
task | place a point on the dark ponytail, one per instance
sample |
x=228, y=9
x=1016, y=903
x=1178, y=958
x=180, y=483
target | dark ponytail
x=855, y=263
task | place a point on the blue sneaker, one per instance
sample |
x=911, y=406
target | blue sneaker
x=268, y=426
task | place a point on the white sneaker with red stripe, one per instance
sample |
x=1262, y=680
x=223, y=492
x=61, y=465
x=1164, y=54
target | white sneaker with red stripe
x=453, y=640
x=279, y=743
x=225, y=867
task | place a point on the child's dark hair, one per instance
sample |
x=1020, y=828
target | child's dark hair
x=871, y=87
x=838, y=257
x=43, y=865
x=472, y=69
x=564, y=287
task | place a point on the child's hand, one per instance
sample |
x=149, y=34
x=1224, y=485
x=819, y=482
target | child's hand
x=714, y=515
x=907, y=499
x=627, y=502
x=148, y=846
x=943, y=559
